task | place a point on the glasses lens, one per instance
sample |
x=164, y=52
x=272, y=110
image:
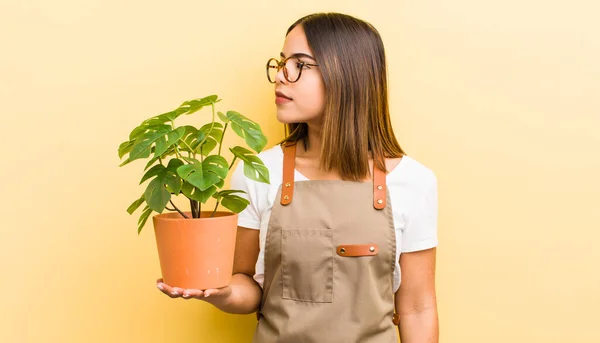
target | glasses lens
x=293, y=69
x=272, y=66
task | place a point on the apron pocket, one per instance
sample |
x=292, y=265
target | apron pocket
x=307, y=265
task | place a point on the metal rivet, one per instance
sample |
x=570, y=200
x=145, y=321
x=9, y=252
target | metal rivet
x=372, y=249
x=288, y=184
x=379, y=187
x=286, y=197
x=342, y=251
x=380, y=201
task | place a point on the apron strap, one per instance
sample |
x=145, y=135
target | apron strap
x=287, y=189
x=379, y=188
x=289, y=161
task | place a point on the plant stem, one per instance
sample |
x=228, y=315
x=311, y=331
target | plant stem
x=189, y=147
x=199, y=209
x=232, y=162
x=222, y=135
x=176, y=209
x=194, y=209
x=212, y=125
x=215, y=210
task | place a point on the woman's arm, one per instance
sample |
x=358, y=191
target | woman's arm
x=246, y=294
x=416, y=300
x=243, y=295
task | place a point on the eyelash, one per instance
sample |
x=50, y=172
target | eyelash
x=301, y=64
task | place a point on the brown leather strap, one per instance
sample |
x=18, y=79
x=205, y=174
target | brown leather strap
x=396, y=319
x=287, y=189
x=354, y=250
x=379, y=188
x=289, y=161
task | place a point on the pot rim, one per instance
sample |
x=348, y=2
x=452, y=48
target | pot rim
x=163, y=216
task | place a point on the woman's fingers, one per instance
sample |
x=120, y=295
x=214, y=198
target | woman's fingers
x=193, y=293
x=214, y=292
x=173, y=292
x=176, y=292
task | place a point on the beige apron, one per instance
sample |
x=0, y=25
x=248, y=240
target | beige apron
x=329, y=262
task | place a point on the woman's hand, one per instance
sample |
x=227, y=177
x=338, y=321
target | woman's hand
x=212, y=296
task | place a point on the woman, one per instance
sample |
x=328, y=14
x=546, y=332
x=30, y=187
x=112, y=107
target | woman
x=319, y=251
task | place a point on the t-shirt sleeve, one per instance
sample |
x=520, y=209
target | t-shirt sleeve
x=421, y=228
x=250, y=216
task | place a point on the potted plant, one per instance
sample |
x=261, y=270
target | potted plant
x=195, y=247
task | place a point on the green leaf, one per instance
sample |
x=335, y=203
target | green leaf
x=134, y=206
x=234, y=203
x=172, y=138
x=124, y=148
x=201, y=175
x=161, y=146
x=254, y=168
x=127, y=161
x=151, y=162
x=143, y=128
x=195, y=194
x=208, y=146
x=156, y=170
x=174, y=164
x=223, y=117
x=208, y=136
x=248, y=130
x=216, y=164
x=142, y=146
x=143, y=218
x=196, y=105
x=156, y=194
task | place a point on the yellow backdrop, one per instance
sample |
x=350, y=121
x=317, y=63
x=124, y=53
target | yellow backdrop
x=499, y=98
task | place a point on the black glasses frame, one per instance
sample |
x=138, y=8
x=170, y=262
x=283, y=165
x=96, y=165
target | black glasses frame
x=281, y=65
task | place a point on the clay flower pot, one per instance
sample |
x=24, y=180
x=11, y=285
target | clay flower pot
x=196, y=253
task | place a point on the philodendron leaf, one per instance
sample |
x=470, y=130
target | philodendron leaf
x=172, y=138
x=233, y=202
x=197, y=104
x=195, y=194
x=143, y=218
x=156, y=194
x=124, y=148
x=165, y=182
x=134, y=206
x=248, y=130
x=145, y=127
x=156, y=170
x=254, y=168
x=143, y=144
x=208, y=136
x=223, y=117
x=205, y=174
x=216, y=164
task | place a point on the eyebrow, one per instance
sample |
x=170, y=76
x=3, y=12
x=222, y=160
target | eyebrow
x=298, y=54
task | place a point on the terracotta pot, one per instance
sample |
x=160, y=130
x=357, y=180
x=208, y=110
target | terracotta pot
x=196, y=253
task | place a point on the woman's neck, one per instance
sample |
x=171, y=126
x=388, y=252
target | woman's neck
x=314, y=142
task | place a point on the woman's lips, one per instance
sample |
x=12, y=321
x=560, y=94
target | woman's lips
x=282, y=100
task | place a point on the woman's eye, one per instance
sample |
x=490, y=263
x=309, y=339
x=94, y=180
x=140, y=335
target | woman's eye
x=301, y=65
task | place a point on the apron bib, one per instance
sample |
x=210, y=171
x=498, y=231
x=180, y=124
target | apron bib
x=329, y=262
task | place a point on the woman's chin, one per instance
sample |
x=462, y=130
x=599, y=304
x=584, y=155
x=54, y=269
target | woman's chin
x=286, y=119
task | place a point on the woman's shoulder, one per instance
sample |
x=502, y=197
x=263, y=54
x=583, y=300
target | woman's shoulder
x=272, y=158
x=413, y=174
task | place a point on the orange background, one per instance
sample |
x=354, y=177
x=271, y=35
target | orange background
x=500, y=99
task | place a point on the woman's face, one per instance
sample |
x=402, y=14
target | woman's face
x=302, y=101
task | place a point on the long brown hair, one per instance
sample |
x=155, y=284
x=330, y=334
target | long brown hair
x=356, y=120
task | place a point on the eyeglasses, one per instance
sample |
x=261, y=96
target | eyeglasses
x=292, y=68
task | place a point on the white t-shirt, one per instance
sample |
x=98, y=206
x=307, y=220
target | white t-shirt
x=413, y=195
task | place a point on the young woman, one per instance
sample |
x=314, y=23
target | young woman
x=320, y=249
